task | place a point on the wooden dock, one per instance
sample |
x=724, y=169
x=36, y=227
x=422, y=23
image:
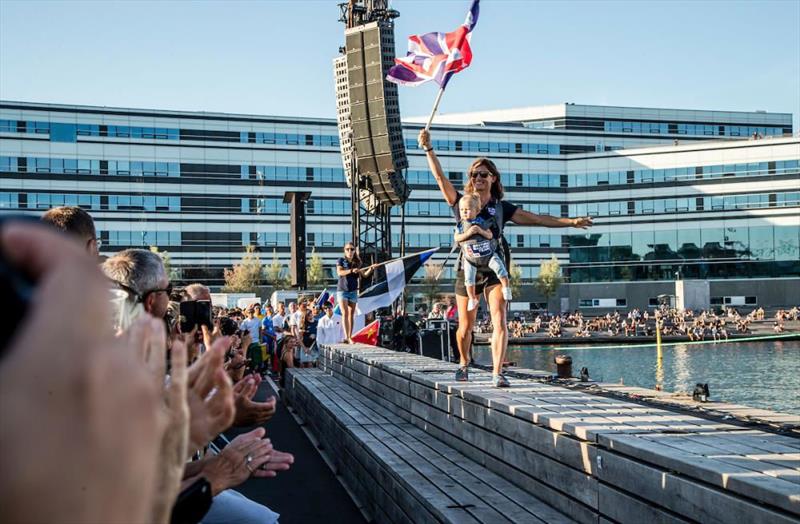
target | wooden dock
x=416, y=446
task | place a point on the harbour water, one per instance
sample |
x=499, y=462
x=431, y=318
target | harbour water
x=757, y=374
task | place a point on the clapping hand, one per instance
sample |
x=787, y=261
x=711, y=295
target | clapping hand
x=79, y=408
x=248, y=411
x=210, y=395
x=147, y=337
x=239, y=460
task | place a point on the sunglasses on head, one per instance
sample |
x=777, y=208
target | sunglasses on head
x=482, y=174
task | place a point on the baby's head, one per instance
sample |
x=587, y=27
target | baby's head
x=469, y=206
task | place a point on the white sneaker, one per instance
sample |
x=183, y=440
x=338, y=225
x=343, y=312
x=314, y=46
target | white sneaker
x=473, y=303
x=507, y=294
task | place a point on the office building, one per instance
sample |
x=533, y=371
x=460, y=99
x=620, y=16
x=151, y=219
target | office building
x=675, y=193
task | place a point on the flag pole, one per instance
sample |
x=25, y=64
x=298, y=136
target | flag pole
x=435, y=108
x=401, y=258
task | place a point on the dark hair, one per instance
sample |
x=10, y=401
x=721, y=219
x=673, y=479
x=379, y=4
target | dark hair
x=356, y=258
x=497, y=187
x=72, y=220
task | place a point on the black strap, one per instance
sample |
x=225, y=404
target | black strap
x=506, y=250
x=192, y=504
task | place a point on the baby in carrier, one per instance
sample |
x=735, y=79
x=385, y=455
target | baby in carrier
x=479, y=248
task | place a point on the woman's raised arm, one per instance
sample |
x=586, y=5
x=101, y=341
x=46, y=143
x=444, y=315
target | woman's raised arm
x=448, y=191
x=526, y=218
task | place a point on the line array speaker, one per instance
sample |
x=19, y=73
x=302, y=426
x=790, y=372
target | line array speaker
x=374, y=110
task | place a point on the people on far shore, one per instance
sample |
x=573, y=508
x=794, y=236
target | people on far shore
x=692, y=325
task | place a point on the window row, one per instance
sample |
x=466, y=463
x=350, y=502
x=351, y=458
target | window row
x=293, y=173
x=122, y=239
x=144, y=203
x=756, y=242
x=289, y=139
x=702, y=269
x=68, y=132
x=647, y=176
x=639, y=127
x=475, y=146
x=685, y=204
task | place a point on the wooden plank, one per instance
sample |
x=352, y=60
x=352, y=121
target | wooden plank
x=785, y=466
x=623, y=508
x=447, y=465
x=730, y=477
x=688, y=498
x=434, y=450
x=556, y=499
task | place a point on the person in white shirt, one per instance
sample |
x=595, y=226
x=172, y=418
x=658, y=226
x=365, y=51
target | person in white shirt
x=278, y=319
x=296, y=321
x=291, y=318
x=252, y=324
x=329, y=327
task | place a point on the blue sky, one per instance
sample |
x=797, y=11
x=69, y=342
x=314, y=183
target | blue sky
x=274, y=57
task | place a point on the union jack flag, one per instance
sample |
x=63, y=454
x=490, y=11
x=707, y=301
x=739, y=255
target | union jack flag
x=436, y=56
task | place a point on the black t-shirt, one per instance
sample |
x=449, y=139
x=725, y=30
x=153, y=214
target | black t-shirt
x=348, y=282
x=489, y=211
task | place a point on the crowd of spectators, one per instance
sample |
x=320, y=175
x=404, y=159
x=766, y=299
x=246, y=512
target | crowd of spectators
x=124, y=413
x=693, y=325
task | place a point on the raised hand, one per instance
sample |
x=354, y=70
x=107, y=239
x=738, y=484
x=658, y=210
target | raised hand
x=210, y=396
x=93, y=402
x=424, y=139
x=582, y=222
x=175, y=442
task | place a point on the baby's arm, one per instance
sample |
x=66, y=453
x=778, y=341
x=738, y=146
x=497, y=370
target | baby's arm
x=485, y=233
x=461, y=237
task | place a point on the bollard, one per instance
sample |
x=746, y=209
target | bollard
x=564, y=366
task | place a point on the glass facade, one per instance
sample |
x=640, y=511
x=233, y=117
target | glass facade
x=216, y=185
x=710, y=252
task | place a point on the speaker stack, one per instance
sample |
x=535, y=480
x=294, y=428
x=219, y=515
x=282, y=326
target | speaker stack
x=369, y=112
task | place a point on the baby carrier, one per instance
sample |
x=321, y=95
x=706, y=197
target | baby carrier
x=477, y=250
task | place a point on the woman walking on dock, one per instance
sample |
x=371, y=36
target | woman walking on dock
x=484, y=179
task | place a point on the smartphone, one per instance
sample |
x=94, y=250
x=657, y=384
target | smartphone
x=195, y=313
x=16, y=289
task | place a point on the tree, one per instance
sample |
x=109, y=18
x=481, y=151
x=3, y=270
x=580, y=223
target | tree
x=515, y=279
x=430, y=283
x=316, y=271
x=245, y=277
x=549, y=278
x=274, y=273
x=172, y=273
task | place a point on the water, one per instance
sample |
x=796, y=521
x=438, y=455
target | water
x=756, y=374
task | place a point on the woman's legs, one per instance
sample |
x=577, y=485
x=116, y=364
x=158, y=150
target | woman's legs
x=347, y=318
x=497, y=308
x=466, y=321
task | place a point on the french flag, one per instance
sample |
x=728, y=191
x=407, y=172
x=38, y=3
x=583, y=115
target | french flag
x=436, y=56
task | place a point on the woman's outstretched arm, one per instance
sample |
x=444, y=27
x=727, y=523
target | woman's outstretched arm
x=448, y=191
x=526, y=218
